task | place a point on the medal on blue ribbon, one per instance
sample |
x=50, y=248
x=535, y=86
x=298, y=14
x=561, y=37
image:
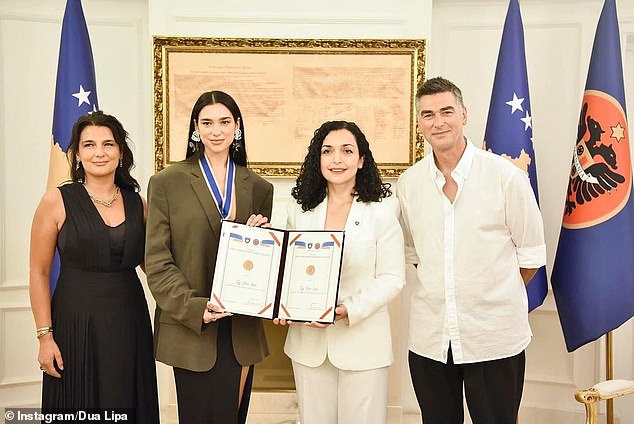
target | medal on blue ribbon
x=222, y=203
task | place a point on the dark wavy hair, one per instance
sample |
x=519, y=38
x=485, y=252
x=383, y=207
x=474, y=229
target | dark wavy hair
x=310, y=187
x=238, y=150
x=122, y=176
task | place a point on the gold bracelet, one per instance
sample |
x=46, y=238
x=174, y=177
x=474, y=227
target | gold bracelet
x=43, y=331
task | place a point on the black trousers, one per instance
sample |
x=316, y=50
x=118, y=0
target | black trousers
x=493, y=389
x=211, y=397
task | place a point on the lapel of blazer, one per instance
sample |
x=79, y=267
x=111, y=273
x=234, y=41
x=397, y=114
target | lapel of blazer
x=243, y=194
x=318, y=216
x=204, y=196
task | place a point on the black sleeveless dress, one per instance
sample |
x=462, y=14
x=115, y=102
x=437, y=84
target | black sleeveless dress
x=100, y=317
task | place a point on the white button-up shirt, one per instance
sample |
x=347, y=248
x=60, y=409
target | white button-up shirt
x=469, y=254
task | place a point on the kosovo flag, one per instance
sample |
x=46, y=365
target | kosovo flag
x=593, y=274
x=509, y=130
x=75, y=95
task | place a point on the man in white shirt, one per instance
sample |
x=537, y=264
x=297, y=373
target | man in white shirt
x=473, y=228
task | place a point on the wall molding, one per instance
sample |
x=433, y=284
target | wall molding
x=23, y=381
x=50, y=18
x=283, y=19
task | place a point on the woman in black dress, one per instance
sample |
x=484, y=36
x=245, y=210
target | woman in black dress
x=94, y=328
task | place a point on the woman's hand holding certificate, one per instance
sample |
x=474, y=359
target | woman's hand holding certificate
x=213, y=313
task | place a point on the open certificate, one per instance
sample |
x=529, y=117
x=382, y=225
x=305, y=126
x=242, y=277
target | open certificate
x=247, y=265
x=311, y=276
x=271, y=273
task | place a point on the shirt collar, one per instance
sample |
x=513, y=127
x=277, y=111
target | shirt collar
x=462, y=168
x=464, y=165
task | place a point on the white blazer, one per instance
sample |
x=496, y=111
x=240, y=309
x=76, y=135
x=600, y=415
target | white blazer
x=373, y=273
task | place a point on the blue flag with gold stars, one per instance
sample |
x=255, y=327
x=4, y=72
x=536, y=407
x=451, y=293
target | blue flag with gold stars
x=593, y=274
x=509, y=130
x=75, y=95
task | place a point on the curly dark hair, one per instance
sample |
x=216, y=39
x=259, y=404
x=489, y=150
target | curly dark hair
x=122, y=176
x=238, y=150
x=310, y=187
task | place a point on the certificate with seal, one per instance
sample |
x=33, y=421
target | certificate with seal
x=311, y=275
x=271, y=273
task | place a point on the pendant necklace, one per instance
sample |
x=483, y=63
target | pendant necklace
x=106, y=203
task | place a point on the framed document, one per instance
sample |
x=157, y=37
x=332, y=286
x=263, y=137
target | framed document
x=286, y=88
x=271, y=273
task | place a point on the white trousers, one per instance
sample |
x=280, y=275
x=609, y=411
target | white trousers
x=328, y=395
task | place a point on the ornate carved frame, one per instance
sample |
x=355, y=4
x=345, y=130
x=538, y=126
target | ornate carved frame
x=163, y=46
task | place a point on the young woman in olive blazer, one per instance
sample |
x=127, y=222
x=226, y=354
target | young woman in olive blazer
x=212, y=352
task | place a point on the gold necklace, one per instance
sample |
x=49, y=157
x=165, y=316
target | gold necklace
x=106, y=203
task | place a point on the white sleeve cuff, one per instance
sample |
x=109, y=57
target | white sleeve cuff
x=532, y=257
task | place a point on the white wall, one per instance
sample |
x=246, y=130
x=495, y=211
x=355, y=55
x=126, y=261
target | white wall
x=464, y=44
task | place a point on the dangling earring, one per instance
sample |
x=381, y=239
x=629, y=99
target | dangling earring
x=121, y=162
x=77, y=165
x=194, y=140
x=237, y=136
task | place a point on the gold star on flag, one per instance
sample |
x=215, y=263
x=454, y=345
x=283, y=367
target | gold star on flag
x=618, y=132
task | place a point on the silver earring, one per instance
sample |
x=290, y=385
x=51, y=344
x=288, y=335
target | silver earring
x=77, y=165
x=238, y=134
x=195, y=136
x=121, y=162
x=235, y=146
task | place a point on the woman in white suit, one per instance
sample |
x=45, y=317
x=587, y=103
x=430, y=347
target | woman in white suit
x=341, y=370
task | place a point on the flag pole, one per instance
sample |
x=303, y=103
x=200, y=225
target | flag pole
x=609, y=374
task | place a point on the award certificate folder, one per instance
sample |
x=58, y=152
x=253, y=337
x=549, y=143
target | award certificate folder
x=271, y=273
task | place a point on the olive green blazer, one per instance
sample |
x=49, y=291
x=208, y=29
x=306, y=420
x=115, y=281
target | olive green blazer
x=183, y=230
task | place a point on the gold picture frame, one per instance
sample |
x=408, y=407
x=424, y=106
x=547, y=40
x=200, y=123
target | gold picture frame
x=286, y=88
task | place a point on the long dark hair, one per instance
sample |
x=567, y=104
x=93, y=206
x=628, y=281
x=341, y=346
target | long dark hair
x=310, y=187
x=238, y=150
x=122, y=176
